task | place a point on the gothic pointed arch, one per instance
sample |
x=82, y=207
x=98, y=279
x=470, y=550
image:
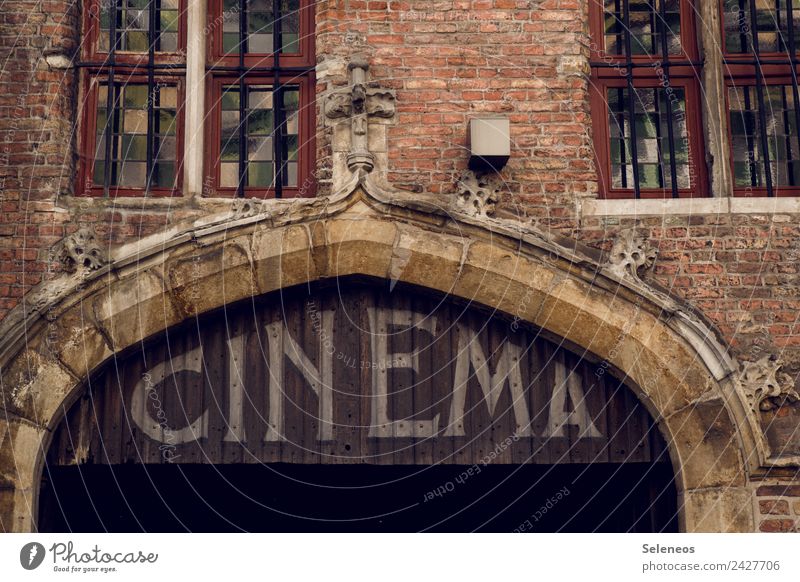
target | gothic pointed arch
x=68, y=328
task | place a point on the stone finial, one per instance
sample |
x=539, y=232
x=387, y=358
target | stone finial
x=358, y=61
x=630, y=253
x=478, y=193
x=764, y=385
x=82, y=251
x=358, y=105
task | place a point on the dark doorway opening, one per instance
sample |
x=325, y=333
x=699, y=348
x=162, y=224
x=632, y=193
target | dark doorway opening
x=635, y=497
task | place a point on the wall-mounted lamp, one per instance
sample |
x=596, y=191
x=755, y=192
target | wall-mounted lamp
x=489, y=143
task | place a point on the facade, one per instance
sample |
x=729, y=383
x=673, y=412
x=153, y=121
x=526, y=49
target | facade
x=136, y=205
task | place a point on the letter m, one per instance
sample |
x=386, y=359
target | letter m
x=470, y=355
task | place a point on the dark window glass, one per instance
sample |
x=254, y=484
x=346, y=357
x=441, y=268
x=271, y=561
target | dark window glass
x=133, y=25
x=260, y=26
x=258, y=127
x=781, y=129
x=652, y=147
x=647, y=25
x=128, y=164
x=771, y=25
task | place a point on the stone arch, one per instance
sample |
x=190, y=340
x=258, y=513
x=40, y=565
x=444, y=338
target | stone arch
x=68, y=328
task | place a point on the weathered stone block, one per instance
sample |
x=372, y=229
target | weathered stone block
x=134, y=308
x=20, y=447
x=359, y=246
x=78, y=342
x=282, y=257
x=211, y=277
x=728, y=509
x=705, y=439
x=503, y=279
x=34, y=386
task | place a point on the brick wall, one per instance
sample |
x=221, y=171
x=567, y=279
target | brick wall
x=779, y=507
x=35, y=124
x=740, y=270
x=448, y=60
x=451, y=60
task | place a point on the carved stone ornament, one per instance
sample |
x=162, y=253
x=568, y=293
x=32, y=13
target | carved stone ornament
x=246, y=207
x=358, y=104
x=630, y=253
x=82, y=251
x=478, y=193
x=765, y=387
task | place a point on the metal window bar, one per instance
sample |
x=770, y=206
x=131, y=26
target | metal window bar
x=742, y=29
x=659, y=149
x=787, y=136
x=243, y=99
x=749, y=133
x=762, y=115
x=623, y=157
x=665, y=64
x=631, y=98
x=795, y=91
x=151, y=47
x=277, y=100
x=111, y=99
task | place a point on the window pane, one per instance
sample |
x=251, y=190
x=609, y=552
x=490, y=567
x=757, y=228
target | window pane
x=772, y=18
x=646, y=26
x=128, y=126
x=260, y=26
x=229, y=175
x=164, y=175
x=133, y=25
x=259, y=134
x=782, y=144
x=259, y=174
x=650, y=118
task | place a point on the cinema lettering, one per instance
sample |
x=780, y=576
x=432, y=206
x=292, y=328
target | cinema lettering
x=358, y=374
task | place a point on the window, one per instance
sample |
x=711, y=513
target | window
x=254, y=127
x=262, y=62
x=646, y=100
x=762, y=95
x=131, y=141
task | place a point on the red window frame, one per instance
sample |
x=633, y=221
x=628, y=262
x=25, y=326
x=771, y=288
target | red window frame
x=306, y=145
x=88, y=137
x=90, y=47
x=740, y=70
x=129, y=68
x=609, y=71
x=305, y=58
x=294, y=69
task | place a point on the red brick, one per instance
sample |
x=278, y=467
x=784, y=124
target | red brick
x=773, y=507
x=777, y=525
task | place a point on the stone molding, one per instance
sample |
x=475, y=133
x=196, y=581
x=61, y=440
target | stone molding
x=687, y=206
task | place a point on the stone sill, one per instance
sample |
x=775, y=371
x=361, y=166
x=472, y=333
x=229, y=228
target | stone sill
x=689, y=206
